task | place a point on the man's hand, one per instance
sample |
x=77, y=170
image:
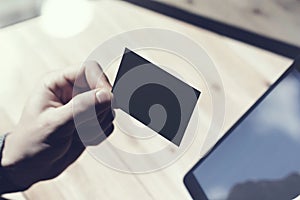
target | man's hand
x=45, y=141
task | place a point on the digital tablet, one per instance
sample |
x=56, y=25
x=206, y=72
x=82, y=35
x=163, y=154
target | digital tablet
x=259, y=157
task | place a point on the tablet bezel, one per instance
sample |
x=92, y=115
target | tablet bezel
x=190, y=181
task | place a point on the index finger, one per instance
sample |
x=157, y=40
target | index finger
x=95, y=76
x=88, y=77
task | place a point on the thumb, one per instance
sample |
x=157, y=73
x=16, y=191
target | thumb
x=87, y=105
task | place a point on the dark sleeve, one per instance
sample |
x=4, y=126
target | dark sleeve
x=5, y=185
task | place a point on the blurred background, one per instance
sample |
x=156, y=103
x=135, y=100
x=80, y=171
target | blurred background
x=278, y=19
x=12, y=11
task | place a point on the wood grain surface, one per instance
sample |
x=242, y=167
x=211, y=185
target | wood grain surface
x=279, y=19
x=28, y=53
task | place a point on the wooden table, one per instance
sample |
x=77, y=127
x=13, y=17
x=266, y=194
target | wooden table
x=275, y=19
x=28, y=53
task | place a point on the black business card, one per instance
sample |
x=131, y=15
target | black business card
x=156, y=98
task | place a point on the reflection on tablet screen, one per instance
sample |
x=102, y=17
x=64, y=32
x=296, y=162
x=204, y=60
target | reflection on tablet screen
x=260, y=158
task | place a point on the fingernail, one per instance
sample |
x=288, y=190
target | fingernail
x=103, y=96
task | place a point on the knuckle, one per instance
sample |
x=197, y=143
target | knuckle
x=49, y=79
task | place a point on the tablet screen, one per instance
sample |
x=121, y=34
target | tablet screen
x=260, y=158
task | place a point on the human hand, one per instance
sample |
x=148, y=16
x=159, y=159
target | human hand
x=45, y=141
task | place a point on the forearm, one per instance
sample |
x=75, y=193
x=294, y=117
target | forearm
x=5, y=185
